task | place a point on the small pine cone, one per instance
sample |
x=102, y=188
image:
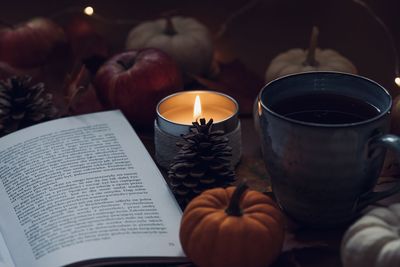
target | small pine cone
x=23, y=104
x=202, y=163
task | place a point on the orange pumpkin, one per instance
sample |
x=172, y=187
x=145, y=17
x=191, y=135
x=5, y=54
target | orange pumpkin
x=232, y=227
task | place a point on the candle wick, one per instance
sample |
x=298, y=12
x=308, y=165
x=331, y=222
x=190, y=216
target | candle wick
x=199, y=118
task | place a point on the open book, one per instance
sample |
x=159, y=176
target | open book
x=83, y=191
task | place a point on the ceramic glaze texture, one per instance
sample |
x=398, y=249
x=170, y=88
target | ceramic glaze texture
x=317, y=176
x=319, y=172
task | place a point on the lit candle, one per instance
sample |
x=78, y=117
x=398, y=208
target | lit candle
x=176, y=112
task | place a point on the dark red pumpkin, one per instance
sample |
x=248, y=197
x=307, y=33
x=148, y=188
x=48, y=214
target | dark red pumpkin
x=30, y=44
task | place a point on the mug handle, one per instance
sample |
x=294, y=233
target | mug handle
x=389, y=141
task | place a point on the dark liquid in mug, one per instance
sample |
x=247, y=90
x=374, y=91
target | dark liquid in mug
x=325, y=108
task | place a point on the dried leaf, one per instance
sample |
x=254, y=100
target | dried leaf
x=81, y=95
x=253, y=168
x=292, y=243
x=387, y=180
x=86, y=102
x=391, y=166
x=77, y=82
x=321, y=257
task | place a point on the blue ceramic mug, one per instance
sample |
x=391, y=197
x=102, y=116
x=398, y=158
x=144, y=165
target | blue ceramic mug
x=323, y=173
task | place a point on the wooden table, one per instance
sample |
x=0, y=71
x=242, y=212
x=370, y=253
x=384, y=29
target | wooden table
x=256, y=37
x=303, y=247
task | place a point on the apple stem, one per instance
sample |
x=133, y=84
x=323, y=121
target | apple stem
x=6, y=24
x=127, y=64
x=169, y=27
x=310, y=59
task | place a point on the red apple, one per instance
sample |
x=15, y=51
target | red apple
x=30, y=44
x=395, y=127
x=135, y=81
x=85, y=41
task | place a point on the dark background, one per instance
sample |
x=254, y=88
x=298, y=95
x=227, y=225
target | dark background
x=259, y=34
x=255, y=37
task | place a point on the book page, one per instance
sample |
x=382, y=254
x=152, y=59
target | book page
x=5, y=257
x=81, y=188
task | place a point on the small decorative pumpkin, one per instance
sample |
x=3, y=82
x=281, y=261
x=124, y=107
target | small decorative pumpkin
x=314, y=59
x=374, y=240
x=232, y=227
x=184, y=39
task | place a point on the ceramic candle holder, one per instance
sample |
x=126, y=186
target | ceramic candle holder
x=175, y=115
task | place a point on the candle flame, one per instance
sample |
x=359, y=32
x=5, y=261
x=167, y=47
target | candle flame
x=197, y=108
x=397, y=81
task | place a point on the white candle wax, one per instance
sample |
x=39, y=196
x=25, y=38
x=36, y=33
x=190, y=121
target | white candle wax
x=184, y=115
x=179, y=108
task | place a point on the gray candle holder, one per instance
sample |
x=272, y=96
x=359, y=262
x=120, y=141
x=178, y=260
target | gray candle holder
x=167, y=133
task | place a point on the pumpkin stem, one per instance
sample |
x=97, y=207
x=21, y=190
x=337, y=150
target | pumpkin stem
x=169, y=27
x=310, y=59
x=127, y=64
x=233, y=208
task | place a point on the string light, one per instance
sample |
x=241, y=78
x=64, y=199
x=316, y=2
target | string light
x=397, y=81
x=88, y=10
x=251, y=4
x=233, y=16
x=388, y=35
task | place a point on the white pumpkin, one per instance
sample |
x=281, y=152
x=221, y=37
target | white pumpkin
x=185, y=39
x=314, y=59
x=374, y=240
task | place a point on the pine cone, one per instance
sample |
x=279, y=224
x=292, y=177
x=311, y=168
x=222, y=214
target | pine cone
x=202, y=162
x=23, y=104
